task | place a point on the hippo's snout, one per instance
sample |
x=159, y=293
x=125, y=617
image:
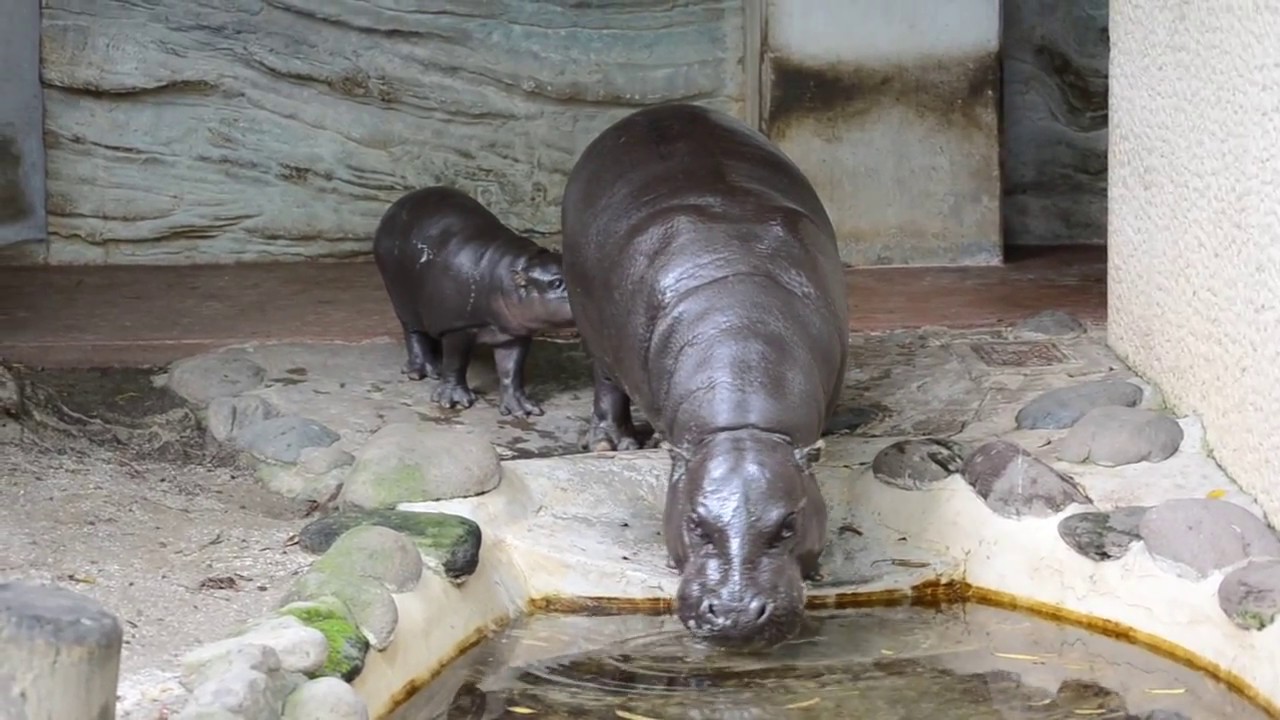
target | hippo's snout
x=735, y=618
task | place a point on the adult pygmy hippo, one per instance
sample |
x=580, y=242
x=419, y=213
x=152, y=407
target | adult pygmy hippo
x=457, y=275
x=706, y=286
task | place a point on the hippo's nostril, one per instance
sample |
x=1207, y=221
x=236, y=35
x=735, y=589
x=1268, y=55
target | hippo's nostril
x=758, y=609
x=708, y=610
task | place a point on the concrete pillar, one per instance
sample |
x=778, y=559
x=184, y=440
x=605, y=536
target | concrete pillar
x=1194, y=224
x=890, y=108
x=59, y=655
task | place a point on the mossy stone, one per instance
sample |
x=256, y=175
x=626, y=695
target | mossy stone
x=369, y=601
x=347, y=646
x=420, y=462
x=450, y=541
x=376, y=552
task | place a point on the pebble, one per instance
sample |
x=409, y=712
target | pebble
x=417, y=462
x=1102, y=536
x=347, y=645
x=1250, y=594
x=917, y=464
x=449, y=542
x=283, y=439
x=227, y=416
x=375, y=552
x=1063, y=407
x=1113, y=436
x=1048, y=324
x=200, y=379
x=325, y=699
x=1015, y=484
x=368, y=601
x=1195, y=537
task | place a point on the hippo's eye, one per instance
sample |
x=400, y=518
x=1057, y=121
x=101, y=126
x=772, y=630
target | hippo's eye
x=698, y=530
x=787, y=529
x=556, y=284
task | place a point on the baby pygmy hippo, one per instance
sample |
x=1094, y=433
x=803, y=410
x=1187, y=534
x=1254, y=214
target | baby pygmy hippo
x=457, y=275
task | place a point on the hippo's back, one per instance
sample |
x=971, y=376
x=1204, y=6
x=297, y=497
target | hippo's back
x=704, y=275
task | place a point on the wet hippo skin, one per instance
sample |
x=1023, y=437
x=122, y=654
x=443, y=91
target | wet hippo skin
x=456, y=275
x=706, y=286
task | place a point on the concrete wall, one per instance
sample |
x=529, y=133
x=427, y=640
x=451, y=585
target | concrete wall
x=22, y=178
x=1194, y=231
x=890, y=108
x=1054, y=62
x=184, y=131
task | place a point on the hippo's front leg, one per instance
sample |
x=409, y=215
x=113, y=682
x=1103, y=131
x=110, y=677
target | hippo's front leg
x=509, y=358
x=611, y=426
x=453, y=390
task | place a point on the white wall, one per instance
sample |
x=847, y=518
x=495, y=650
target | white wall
x=1194, y=227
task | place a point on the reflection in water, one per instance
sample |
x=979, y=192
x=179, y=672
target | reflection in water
x=881, y=664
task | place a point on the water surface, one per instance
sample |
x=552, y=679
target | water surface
x=957, y=663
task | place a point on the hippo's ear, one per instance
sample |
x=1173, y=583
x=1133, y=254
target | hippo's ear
x=809, y=455
x=519, y=278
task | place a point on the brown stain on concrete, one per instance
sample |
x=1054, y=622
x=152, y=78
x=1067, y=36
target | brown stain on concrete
x=960, y=90
x=14, y=203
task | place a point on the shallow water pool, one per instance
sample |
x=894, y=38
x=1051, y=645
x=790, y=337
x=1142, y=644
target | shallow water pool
x=903, y=663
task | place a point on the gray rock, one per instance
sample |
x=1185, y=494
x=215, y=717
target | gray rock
x=201, y=379
x=207, y=663
x=915, y=464
x=1196, y=537
x=1048, y=324
x=325, y=699
x=1112, y=436
x=301, y=649
x=1015, y=484
x=240, y=693
x=415, y=462
x=1063, y=407
x=10, y=393
x=375, y=552
x=368, y=601
x=292, y=482
x=1250, y=594
x=323, y=460
x=228, y=416
x=283, y=439
x=1102, y=536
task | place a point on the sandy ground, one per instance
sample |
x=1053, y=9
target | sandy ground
x=182, y=553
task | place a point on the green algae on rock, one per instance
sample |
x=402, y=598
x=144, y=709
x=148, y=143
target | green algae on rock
x=368, y=601
x=451, y=542
x=347, y=645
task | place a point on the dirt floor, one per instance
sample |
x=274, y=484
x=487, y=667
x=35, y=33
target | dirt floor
x=106, y=487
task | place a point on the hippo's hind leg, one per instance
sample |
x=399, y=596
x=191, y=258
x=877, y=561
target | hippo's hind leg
x=424, y=355
x=611, y=427
x=456, y=358
x=509, y=358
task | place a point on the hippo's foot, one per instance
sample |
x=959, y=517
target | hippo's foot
x=451, y=395
x=603, y=437
x=420, y=371
x=518, y=404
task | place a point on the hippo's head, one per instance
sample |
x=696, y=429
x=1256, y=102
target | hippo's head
x=541, y=301
x=745, y=524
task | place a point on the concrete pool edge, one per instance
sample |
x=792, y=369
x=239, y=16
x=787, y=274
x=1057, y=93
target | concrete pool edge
x=539, y=557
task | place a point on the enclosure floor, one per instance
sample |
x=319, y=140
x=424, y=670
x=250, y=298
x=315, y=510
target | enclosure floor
x=100, y=316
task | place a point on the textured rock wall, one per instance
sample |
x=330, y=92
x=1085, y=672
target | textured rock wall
x=1055, y=121
x=1194, y=227
x=890, y=108
x=22, y=217
x=186, y=131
